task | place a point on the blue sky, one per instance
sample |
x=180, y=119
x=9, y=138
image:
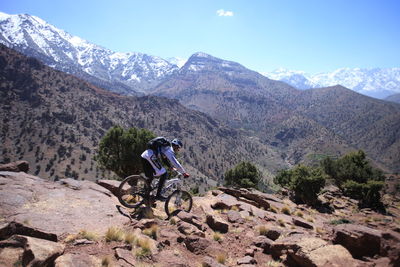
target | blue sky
x=263, y=35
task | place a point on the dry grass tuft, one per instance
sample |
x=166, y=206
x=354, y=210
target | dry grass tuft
x=151, y=232
x=114, y=234
x=221, y=258
x=144, y=248
x=262, y=230
x=217, y=236
x=106, y=261
x=286, y=210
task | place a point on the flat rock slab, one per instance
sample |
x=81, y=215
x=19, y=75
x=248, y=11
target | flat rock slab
x=57, y=207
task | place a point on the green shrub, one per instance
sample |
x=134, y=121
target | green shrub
x=120, y=150
x=305, y=182
x=357, y=178
x=244, y=175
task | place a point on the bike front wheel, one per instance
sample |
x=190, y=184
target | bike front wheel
x=133, y=191
x=177, y=201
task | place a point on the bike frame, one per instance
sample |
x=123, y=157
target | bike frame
x=170, y=185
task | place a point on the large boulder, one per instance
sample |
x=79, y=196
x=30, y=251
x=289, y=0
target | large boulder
x=31, y=251
x=77, y=259
x=57, y=207
x=360, y=240
x=304, y=250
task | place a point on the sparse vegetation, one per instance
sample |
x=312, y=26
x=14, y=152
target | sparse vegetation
x=130, y=238
x=114, y=234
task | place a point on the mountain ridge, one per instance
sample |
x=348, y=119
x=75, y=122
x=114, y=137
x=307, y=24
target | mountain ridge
x=374, y=82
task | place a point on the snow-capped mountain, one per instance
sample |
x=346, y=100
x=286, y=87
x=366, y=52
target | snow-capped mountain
x=378, y=83
x=57, y=48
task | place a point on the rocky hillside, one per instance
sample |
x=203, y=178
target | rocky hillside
x=302, y=125
x=46, y=223
x=55, y=121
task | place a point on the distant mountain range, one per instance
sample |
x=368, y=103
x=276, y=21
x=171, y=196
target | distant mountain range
x=135, y=73
x=378, y=83
x=127, y=73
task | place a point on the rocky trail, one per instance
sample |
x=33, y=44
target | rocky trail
x=81, y=223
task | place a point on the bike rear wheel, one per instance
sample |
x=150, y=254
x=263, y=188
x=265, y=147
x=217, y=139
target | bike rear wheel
x=133, y=191
x=177, y=201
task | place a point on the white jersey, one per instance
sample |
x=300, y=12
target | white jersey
x=169, y=153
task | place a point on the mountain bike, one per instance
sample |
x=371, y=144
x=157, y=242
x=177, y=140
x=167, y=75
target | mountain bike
x=136, y=190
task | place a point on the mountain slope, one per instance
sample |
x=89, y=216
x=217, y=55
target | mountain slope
x=302, y=125
x=121, y=72
x=55, y=121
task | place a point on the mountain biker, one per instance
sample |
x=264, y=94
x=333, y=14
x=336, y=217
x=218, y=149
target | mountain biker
x=152, y=165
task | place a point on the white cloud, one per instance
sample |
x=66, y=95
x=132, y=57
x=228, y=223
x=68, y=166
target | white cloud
x=223, y=13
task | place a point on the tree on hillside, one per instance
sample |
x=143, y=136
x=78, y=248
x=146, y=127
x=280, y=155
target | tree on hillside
x=120, y=150
x=356, y=177
x=244, y=175
x=305, y=182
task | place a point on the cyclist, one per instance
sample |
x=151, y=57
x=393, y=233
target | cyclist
x=152, y=165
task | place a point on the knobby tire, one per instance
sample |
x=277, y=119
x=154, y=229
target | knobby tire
x=132, y=191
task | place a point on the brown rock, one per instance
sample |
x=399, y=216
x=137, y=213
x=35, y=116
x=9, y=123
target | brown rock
x=273, y=233
x=14, y=228
x=302, y=223
x=37, y=252
x=234, y=217
x=192, y=219
x=217, y=224
x=51, y=207
x=263, y=242
x=196, y=244
x=246, y=260
x=18, y=166
x=189, y=229
x=125, y=255
x=359, y=240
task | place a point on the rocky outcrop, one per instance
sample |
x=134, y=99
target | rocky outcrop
x=18, y=166
x=67, y=206
x=31, y=251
